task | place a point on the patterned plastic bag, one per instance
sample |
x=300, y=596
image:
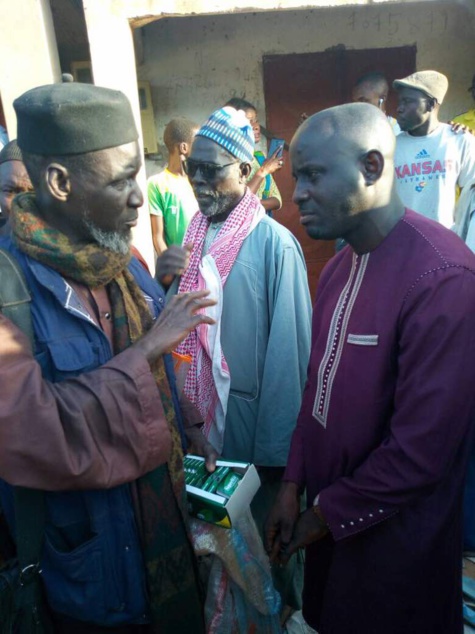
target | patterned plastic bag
x=240, y=597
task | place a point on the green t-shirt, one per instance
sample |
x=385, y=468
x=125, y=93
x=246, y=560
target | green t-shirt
x=171, y=196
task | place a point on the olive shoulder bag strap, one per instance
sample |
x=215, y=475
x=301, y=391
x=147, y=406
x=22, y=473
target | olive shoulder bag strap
x=22, y=606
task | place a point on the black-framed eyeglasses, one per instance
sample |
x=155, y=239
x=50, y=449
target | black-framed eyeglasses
x=209, y=171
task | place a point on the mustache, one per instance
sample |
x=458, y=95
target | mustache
x=204, y=192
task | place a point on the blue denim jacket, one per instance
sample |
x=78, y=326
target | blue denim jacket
x=92, y=561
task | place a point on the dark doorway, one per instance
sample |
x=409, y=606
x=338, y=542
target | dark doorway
x=310, y=82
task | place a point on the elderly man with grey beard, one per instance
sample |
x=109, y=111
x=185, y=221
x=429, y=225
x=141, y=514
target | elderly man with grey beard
x=248, y=371
x=94, y=420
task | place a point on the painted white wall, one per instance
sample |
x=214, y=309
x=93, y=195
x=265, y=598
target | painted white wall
x=195, y=64
x=113, y=66
x=28, y=53
x=140, y=11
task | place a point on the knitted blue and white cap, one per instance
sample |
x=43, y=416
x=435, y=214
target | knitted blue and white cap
x=230, y=129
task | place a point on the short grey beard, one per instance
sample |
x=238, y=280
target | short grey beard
x=218, y=206
x=112, y=240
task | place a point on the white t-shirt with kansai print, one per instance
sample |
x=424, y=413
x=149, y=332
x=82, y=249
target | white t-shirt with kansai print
x=428, y=168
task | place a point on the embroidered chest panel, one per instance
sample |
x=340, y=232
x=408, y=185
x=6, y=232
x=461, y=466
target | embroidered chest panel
x=337, y=336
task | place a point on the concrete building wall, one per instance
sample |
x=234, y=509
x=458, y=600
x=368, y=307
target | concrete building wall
x=29, y=56
x=113, y=66
x=71, y=33
x=196, y=63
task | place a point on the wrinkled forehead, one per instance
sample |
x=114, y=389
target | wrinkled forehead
x=207, y=151
x=122, y=155
x=13, y=171
x=118, y=159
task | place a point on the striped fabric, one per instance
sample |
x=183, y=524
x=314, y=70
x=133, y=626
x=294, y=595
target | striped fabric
x=336, y=338
x=208, y=381
x=230, y=129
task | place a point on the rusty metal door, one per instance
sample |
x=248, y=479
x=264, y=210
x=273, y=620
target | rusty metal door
x=310, y=82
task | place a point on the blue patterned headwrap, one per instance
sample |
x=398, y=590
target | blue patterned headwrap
x=230, y=129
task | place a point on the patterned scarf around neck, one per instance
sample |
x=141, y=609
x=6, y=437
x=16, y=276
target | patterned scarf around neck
x=168, y=554
x=210, y=390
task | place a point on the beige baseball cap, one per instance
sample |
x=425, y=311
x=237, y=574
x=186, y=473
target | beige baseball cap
x=430, y=82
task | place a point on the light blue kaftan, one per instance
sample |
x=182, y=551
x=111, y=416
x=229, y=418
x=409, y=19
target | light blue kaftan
x=265, y=337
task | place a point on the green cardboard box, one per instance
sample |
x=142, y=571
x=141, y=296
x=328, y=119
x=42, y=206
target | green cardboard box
x=215, y=508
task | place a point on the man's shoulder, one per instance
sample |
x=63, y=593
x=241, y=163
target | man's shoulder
x=417, y=252
x=443, y=138
x=432, y=245
x=268, y=228
x=159, y=180
x=142, y=276
x=7, y=244
x=458, y=146
x=15, y=256
x=270, y=242
x=404, y=138
x=460, y=139
x=416, y=246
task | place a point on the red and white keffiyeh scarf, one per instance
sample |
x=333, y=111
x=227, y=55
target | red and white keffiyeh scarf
x=208, y=381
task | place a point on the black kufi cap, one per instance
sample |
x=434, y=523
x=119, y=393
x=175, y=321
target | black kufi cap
x=10, y=152
x=72, y=118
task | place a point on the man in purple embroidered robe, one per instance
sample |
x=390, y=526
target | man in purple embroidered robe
x=383, y=435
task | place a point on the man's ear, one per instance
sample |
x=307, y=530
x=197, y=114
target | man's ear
x=183, y=148
x=373, y=166
x=58, y=181
x=245, y=170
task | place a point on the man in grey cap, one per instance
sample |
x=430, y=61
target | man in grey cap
x=14, y=180
x=431, y=159
x=94, y=419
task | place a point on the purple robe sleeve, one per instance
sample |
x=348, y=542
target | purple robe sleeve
x=295, y=469
x=102, y=429
x=433, y=407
